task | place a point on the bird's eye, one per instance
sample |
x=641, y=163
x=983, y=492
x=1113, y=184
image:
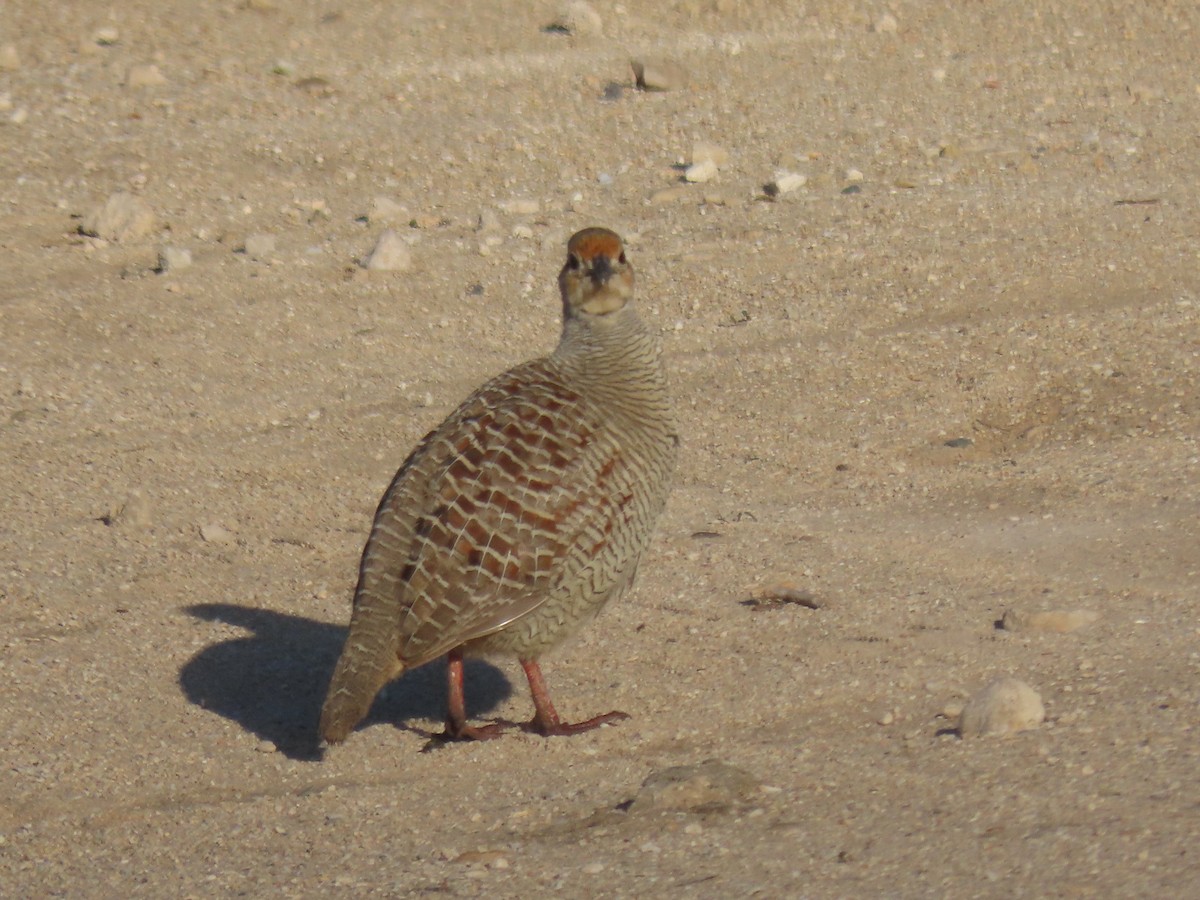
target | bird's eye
x=621, y=258
x=573, y=262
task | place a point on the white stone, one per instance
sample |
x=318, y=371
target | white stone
x=122, y=217
x=1005, y=706
x=146, y=75
x=658, y=74
x=701, y=172
x=703, y=150
x=579, y=17
x=386, y=211
x=391, y=254
x=786, y=182
x=171, y=259
x=259, y=246
x=521, y=207
x=216, y=534
x=887, y=24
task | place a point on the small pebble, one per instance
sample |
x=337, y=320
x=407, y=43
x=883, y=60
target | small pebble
x=701, y=172
x=10, y=59
x=488, y=220
x=854, y=176
x=521, y=207
x=691, y=787
x=106, y=36
x=593, y=868
x=122, y=217
x=578, y=17
x=1005, y=706
x=391, y=254
x=668, y=195
x=492, y=858
x=886, y=24
x=786, y=182
x=703, y=151
x=658, y=74
x=216, y=534
x=135, y=512
x=1057, y=621
x=172, y=259
x=259, y=246
x=386, y=211
x=143, y=76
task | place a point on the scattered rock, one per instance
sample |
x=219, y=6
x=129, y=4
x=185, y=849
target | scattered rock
x=386, y=211
x=578, y=17
x=172, y=259
x=658, y=74
x=491, y=858
x=710, y=785
x=391, y=254
x=315, y=86
x=216, y=534
x=10, y=59
x=106, y=36
x=703, y=151
x=958, y=443
x=1057, y=621
x=144, y=76
x=784, y=183
x=521, y=207
x=701, y=172
x=122, y=217
x=259, y=246
x=886, y=24
x=668, y=195
x=135, y=512
x=854, y=176
x=1006, y=706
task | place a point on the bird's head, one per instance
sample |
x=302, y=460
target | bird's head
x=597, y=279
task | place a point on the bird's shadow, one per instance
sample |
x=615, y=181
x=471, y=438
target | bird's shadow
x=272, y=681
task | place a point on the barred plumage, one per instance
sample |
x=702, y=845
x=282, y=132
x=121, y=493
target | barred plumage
x=521, y=515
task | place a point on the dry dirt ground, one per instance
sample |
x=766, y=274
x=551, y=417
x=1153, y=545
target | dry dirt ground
x=996, y=247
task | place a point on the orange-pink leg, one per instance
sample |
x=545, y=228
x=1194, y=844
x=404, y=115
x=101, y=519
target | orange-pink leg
x=545, y=719
x=457, y=728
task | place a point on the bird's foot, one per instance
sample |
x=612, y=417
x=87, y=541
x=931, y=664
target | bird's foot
x=553, y=727
x=461, y=731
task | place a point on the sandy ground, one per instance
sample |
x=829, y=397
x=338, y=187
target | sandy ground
x=996, y=247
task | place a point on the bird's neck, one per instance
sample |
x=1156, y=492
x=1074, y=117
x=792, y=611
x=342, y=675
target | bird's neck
x=614, y=358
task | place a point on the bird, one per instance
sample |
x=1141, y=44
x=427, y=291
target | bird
x=515, y=521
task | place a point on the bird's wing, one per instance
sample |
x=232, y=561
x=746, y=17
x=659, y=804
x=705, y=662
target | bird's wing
x=491, y=512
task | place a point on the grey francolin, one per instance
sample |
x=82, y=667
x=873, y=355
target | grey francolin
x=519, y=517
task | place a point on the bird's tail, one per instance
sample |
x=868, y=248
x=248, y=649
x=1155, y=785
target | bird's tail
x=368, y=662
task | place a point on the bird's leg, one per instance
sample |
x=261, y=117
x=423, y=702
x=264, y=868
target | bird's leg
x=457, y=728
x=545, y=719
